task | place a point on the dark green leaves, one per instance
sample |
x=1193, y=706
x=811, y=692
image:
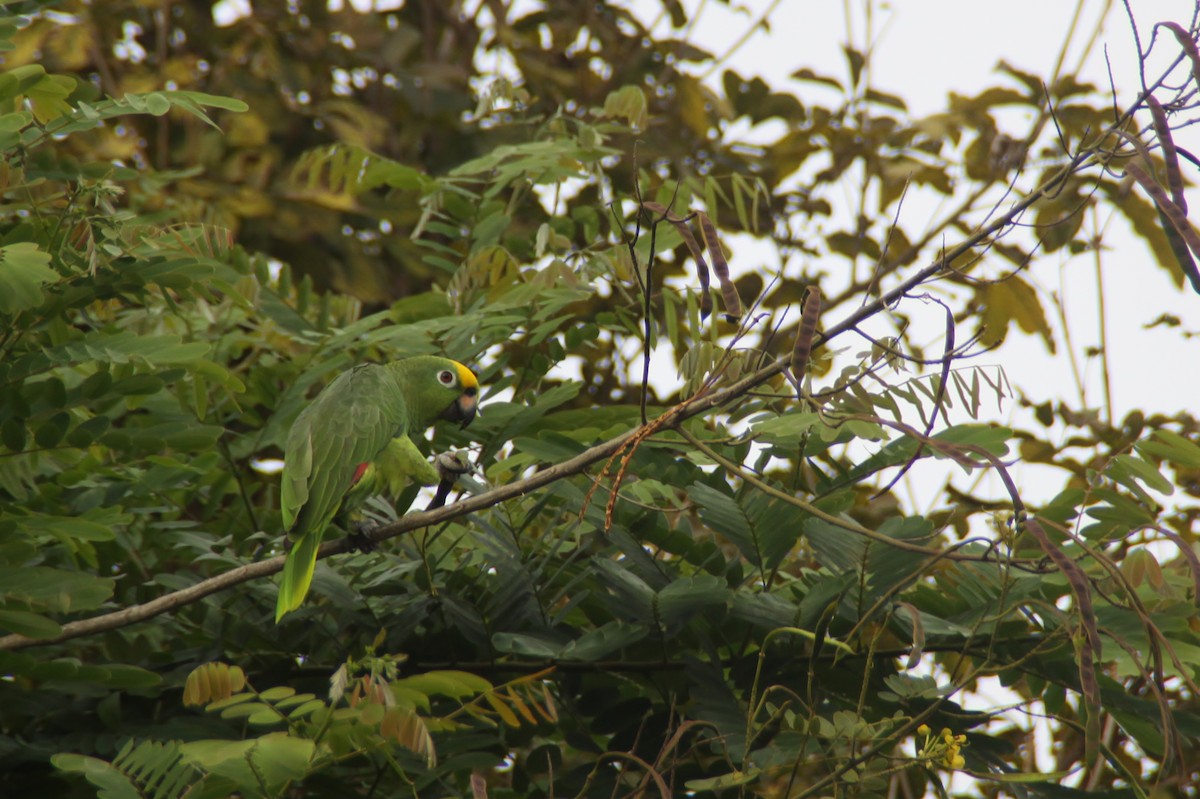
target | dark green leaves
x=764, y=530
x=29, y=591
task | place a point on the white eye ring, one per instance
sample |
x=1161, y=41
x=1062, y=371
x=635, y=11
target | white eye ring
x=446, y=377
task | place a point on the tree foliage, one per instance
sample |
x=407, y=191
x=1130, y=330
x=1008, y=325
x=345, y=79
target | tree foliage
x=708, y=581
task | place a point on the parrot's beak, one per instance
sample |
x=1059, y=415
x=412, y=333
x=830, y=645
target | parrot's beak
x=464, y=408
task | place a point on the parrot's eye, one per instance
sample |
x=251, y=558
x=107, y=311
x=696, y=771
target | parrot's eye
x=446, y=377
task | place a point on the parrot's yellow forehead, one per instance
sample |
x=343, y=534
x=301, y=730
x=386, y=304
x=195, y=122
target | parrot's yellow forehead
x=465, y=376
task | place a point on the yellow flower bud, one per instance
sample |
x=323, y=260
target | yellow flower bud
x=923, y=729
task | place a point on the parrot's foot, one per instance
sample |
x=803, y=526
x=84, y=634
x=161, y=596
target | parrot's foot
x=451, y=466
x=360, y=537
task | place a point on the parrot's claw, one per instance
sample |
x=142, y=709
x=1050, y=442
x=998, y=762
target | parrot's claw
x=360, y=537
x=450, y=465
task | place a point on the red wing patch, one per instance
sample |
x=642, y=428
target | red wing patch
x=359, y=472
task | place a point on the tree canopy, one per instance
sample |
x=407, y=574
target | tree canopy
x=693, y=568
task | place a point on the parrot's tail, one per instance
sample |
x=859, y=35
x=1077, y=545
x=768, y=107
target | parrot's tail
x=297, y=575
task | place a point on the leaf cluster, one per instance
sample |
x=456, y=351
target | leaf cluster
x=734, y=598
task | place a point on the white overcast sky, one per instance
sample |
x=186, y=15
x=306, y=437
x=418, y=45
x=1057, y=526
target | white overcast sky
x=925, y=49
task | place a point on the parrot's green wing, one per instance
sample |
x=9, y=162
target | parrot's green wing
x=293, y=490
x=347, y=425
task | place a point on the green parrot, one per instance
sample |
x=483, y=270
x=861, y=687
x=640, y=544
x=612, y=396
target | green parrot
x=353, y=441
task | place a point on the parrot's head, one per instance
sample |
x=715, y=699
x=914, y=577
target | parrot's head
x=437, y=388
x=466, y=404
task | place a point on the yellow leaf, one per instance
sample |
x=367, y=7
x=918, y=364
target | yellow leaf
x=237, y=679
x=48, y=97
x=183, y=71
x=521, y=707
x=247, y=202
x=246, y=130
x=1013, y=300
x=628, y=103
x=71, y=47
x=352, y=122
x=502, y=710
x=547, y=709
x=694, y=106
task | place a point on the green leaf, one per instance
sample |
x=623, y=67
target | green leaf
x=488, y=231
x=95, y=385
x=787, y=428
x=306, y=709
x=244, y=710
x=32, y=625
x=265, y=717
x=64, y=528
x=210, y=100
x=764, y=530
x=51, y=431
x=765, y=611
x=138, y=385
x=688, y=596
x=125, y=677
x=888, y=566
x=603, y=641
x=13, y=434
x=627, y=103
x=454, y=684
x=15, y=82
x=1171, y=447
x=157, y=104
x=526, y=644
x=56, y=590
x=730, y=780
x=24, y=270
x=991, y=438
x=909, y=686
x=1125, y=468
x=838, y=549
x=112, y=784
x=87, y=432
x=273, y=695
x=270, y=761
x=48, y=97
x=10, y=123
